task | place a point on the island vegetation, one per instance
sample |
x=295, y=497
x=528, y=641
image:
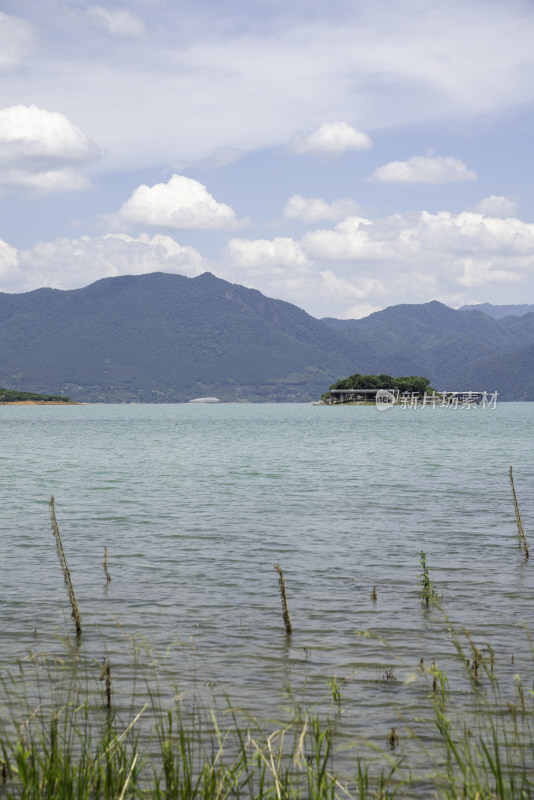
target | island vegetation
x=15, y=396
x=407, y=384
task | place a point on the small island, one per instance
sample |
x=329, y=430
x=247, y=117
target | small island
x=361, y=389
x=16, y=398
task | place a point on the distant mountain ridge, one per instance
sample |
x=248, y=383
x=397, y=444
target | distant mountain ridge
x=161, y=337
x=164, y=338
x=499, y=312
x=453, y=348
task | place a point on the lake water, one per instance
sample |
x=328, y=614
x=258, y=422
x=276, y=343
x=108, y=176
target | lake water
x=196, y=503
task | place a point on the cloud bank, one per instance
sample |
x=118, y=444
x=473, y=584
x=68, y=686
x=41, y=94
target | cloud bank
x=74, y=263
x=350, y=269
x=413, y=257
x=242, y=85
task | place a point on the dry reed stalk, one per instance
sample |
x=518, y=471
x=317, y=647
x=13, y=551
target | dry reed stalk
x=106, y=673
x=122, y=794
x=519, y=521
x=75, y=611
x=285, y=609
x=393, y=739
x=105, y=565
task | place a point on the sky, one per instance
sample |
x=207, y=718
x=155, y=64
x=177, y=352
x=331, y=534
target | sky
x=341, y=155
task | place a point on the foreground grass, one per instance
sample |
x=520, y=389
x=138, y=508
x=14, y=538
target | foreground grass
x=65, y=734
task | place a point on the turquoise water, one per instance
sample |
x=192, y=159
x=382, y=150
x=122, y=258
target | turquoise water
x=196, y=503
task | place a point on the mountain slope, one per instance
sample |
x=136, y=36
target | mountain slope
x=167, y=337
x=160, y=338
x=512, y=374
x=499, y=312
x=438, y=342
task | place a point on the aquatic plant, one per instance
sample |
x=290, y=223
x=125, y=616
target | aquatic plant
x=393, y=739
x=285, y=609
x=427, y=593
x=522, y=539
x=105, y=565
x=438, y=677
x=75, y=610
x=335, y=688
x=106, y=675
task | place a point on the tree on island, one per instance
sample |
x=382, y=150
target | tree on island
x=409, y=384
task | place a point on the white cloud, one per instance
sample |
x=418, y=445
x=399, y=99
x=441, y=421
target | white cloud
x=53, y=180
x=73, y=263
x=221, y=157
x=478, y=272
x=42, y=149
x=33, y=133
x=422, y=235
x=9, y=263
x=313, y=209
x=360, y=310
x=496, y=206
x=16, y=40
x=179, y=203
x=280, y=268
x=358, y=289
x=424, y=169
x=430, y=251
x=259, y=253
x=351, y=239
x=117, y=21
x=330, y=139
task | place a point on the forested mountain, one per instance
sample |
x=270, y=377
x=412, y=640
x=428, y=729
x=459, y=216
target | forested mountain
x=161, y=338
x=499, y=312
x=166, y=337
x=456, y=350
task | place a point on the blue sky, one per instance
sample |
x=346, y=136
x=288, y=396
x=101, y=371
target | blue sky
x=343, y=156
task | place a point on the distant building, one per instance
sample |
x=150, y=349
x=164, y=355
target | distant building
x=205, y=400
x=360, y=395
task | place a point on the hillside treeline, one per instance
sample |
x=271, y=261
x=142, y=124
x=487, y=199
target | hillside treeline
x=14, y=396
x=412, y=383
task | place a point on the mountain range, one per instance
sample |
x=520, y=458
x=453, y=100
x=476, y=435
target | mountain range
x=498, y=312
x=165, y=338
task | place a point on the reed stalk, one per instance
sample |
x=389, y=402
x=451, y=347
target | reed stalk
x=520, y=530
x=105, y=565
x=106, y=675
x=285, y=609
x=75, y=610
